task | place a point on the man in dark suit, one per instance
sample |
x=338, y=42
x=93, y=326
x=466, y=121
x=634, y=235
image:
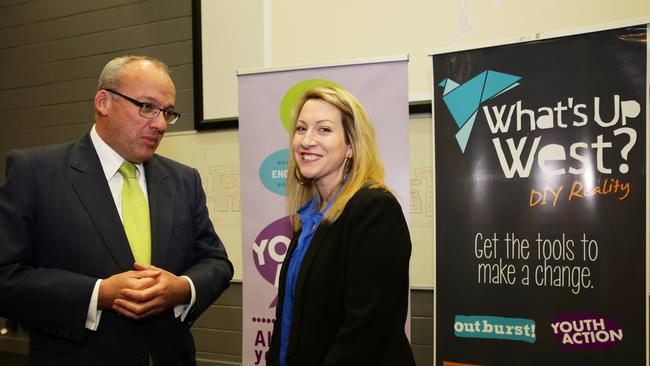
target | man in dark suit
x=93, y=290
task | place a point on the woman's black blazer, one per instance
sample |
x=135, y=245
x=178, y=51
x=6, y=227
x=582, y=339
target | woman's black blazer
x=352, y=289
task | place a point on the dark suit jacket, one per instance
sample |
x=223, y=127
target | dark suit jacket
x=60, y=232
x=352, y=289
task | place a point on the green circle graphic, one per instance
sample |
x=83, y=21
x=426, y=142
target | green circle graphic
x=292, y=97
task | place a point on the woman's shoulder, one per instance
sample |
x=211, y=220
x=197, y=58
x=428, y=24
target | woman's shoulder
x=373, y=196
x=377, y=205
x=367, y=191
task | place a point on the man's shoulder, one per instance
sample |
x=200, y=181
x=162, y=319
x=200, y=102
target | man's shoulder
x=46, y=153
x=170, y=163
x=159, y=162
x=176, y=173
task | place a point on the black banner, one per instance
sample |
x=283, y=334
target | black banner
x=540, y=202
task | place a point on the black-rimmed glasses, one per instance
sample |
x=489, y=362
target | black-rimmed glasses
x=151, y=111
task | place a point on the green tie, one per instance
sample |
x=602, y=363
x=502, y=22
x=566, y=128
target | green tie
x=135, y=215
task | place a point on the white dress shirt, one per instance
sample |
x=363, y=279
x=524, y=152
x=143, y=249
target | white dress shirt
x=111, y=162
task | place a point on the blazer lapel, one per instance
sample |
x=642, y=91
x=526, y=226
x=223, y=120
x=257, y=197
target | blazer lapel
x=91, y=187
x=312, y=253
x=160, y=192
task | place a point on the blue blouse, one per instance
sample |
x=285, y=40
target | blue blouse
x=310, y=218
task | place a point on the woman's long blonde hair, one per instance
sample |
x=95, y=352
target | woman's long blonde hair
x=363, y=168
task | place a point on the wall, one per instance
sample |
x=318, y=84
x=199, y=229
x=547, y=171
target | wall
x=294, y=32
x=52, y=51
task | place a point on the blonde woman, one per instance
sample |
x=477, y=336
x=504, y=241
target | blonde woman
x=344, y=282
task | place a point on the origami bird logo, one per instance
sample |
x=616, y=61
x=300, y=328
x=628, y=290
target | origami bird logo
x=463, y=100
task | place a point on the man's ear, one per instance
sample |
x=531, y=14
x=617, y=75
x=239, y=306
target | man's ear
x=102, y=102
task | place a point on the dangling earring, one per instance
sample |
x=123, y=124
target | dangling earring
x=347, y=166
x=301, y=180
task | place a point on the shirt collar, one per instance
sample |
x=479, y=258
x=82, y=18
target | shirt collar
x=109, y=158
x=309, y=214
x=310, y=208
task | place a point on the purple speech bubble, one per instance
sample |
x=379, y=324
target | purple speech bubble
x=586, y=331
x=269, y=250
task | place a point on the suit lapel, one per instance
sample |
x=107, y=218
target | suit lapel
x=160, y=192
x=91, y=187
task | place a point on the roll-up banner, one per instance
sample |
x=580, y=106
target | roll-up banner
x=266, y=105
x=540, y=165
